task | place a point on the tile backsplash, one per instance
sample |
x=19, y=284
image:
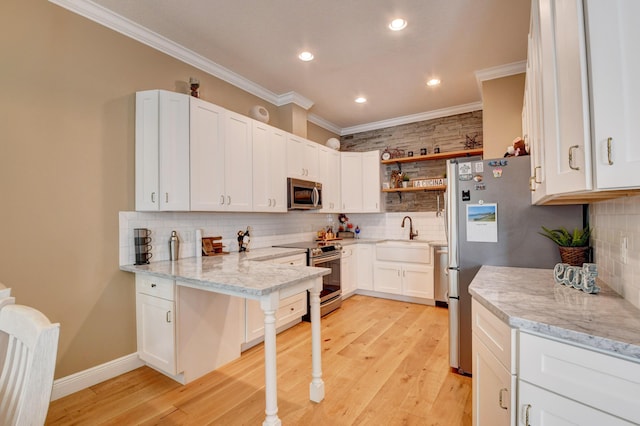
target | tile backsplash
x=613, y=221
x=267, y=229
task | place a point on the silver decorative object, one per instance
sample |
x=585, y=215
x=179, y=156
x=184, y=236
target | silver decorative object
x=580, y=277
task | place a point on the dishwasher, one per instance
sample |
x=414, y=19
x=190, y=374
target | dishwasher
x=440, y=281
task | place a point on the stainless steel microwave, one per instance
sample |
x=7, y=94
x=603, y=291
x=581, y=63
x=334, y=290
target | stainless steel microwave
x=303, y=194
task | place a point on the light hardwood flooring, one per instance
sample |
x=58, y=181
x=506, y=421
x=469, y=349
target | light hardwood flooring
x=384, y=363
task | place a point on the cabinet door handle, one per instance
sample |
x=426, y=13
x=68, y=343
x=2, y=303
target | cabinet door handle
x=527, y=409
x=153, y=285
x=274, y=202
x=168, y=316
x=501, y=400
x=532, y=184
x=166, y=197
x=269, y=203
x=153, y=197
x=535, y=174
x=228, y=200
x=609, y=142
x=571, y=148
x=221, y=199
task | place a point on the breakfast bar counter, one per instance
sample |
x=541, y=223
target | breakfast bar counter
x=242, y=275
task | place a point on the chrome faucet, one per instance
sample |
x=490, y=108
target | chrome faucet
x=411, y=233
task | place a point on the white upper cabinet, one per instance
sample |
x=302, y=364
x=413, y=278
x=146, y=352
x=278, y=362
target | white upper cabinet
x=221, y=159
x=207, y=181
x=613, y=37
x=269, y=168
x=565, y=97
x=371, y=195
x=361, y=182
x=302, y=158
x=162, y=151
x=329, y=175
x=581, y=99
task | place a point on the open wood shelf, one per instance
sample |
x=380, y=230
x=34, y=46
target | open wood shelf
x=439, y=156
x=416, y=189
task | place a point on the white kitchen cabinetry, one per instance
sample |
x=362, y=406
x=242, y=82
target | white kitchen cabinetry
x=162, y=151
x=360, y=182
x=184, y=332
x=565, y=96
x=329, y=175
x=269, y=168
x=207, y=145
x=302, y=158
x=582, y=61
x=365, y=266
x=349, y=270
x=290, y=312
x=494, y=369
x=405, y=279
x=613, y=38
x=561, y=382
x=155, y=325
x=221, y=159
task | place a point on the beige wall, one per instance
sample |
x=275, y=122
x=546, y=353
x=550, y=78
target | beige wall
x=319, y=134
x=67, y=168
x=502, y=113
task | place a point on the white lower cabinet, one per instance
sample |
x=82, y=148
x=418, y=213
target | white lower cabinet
x=365, y=266
x=290, y=312
x=494, y=375
x=405, y=279
x=560, y=383
x=349, y=270
x=183, y=332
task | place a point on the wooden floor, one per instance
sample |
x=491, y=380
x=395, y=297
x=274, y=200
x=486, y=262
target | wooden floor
x=384, y=363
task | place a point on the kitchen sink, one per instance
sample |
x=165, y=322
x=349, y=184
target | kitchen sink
x=404, y=251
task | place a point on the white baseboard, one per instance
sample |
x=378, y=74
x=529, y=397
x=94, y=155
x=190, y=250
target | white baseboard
x=83, y=379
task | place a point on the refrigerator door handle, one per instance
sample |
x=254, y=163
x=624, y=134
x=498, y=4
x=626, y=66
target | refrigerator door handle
x=452, y=213
x=454, y=333
x=453, y=283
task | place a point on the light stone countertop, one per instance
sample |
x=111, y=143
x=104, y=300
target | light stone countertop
x=237, y=273
x=529, y=299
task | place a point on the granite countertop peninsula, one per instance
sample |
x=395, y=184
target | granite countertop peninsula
x=245, y=273
x=529, y=299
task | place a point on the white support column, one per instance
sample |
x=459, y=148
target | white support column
x=316, y=387
x=269, y=305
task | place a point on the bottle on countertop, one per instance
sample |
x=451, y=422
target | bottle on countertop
x=174, y=246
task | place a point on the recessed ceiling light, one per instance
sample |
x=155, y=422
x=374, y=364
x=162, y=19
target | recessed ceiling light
x=433, y=82
x=361, y=100
x=305, y=56
x=398, y=24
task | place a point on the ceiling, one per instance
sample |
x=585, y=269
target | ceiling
x=255, y=43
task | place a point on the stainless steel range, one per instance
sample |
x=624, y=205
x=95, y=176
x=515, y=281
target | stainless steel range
x=324, y=255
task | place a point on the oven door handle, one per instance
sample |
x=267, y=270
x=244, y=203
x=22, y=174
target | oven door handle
x=320, y=260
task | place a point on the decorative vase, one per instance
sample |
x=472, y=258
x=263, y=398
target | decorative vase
x=574, y=256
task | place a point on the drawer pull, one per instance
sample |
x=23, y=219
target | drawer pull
x=168, y=316
x=153, y=285
x=609, y=160
x=501, y=400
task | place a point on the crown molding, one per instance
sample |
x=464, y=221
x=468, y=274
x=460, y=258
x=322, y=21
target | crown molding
x=498, y=72
x=124, y=26
x=319, y=121
x=423, y=116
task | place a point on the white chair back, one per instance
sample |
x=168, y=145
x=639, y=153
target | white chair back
x=27, y=372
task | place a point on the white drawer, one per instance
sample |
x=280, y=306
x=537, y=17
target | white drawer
x=296, y=259
x=153, y=286
x=592, y=378
x=497, y=336
x=291, y=308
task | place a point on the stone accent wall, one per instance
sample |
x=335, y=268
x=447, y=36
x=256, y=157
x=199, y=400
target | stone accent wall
x=447, y=133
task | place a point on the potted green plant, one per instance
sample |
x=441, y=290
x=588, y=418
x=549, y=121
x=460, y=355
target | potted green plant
x=405, y=180
x=573, y=246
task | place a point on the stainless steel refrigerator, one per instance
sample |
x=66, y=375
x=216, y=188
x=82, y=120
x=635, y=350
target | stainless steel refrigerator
x=490, y=221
